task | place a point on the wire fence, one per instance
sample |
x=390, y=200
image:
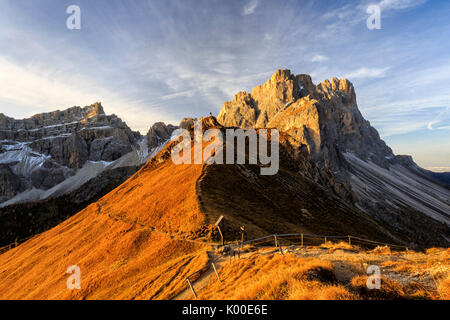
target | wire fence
x=290, y=240
x=278, y=240
x=315, y=239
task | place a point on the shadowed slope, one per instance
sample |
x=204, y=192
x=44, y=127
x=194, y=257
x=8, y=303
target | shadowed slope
x=324, y=120
x=142, y=239
x=287, y=202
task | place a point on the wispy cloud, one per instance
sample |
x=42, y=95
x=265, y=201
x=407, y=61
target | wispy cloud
x=157, y=60
x=342, y=17
x=441, y=121
x=319, y=58
x=48, y=90
x=250, y=7
x=365, y=72
x=400, y=4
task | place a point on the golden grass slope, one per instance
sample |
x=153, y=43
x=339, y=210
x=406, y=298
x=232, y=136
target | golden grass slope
x=330, y=272
x=135, y=243
x=277, y=277
x=127, y=245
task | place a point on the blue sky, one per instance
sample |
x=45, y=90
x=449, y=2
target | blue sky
x=151, y=61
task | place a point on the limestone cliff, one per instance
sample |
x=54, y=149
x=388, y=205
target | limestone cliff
x=324, y=117
x=44, y=150
x=325, y=120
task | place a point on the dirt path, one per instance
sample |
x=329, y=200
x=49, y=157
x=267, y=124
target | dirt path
x=347, y=263
x=204, y=279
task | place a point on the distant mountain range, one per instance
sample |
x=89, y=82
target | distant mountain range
x=54, y=164
x=52, y=154
x=139, y=239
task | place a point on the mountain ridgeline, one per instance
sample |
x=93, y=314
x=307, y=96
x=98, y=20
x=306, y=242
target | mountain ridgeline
x=54, y=164
x=143, y=237
x=324, y=123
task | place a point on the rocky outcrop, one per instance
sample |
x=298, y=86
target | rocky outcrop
x=10, y=183
x=256, y=109
x=442, y=177
x=324, y=117
x=43, y=150
x=49, y=175
x=187, y=123
x=322, y=124
x=159, y=133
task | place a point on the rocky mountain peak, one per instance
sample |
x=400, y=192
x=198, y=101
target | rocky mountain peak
x=242, y=96
x=324, y=117
x=322, y=125
x=93, y=111
x=65, y=116
x=43, y=150
x=305, y=83
x=158, y=133
x=336, y=89
x=256, y=109
x=187, y=123
x=281, y=75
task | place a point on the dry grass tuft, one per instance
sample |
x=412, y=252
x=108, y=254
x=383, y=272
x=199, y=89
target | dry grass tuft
x=435, y=263
x=277, y=277
x=382, y=250
x=389, y=289
x=444, y=288
x=321, y=274
x=333, y=246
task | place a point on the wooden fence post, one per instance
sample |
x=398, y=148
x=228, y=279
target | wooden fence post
x=215, y=270
x=276, y=241
x=192, y=288
x=325, y=240
x=302, y=239
x=222, y=241
x=278, y=244
x=349, y=240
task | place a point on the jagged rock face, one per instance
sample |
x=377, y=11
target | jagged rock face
x=324, y=120
x=45, y=149
x=255, y=109
x=159, y=133
x=325, y=117
x=187, y=123
x=49, y=175
x=73, y=136
x=10, y=183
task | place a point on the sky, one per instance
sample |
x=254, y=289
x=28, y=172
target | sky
x=161, y=60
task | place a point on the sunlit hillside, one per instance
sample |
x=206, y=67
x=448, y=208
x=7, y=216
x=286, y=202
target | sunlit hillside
x=126, y=245
x=336, y=272
x=143, y=239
